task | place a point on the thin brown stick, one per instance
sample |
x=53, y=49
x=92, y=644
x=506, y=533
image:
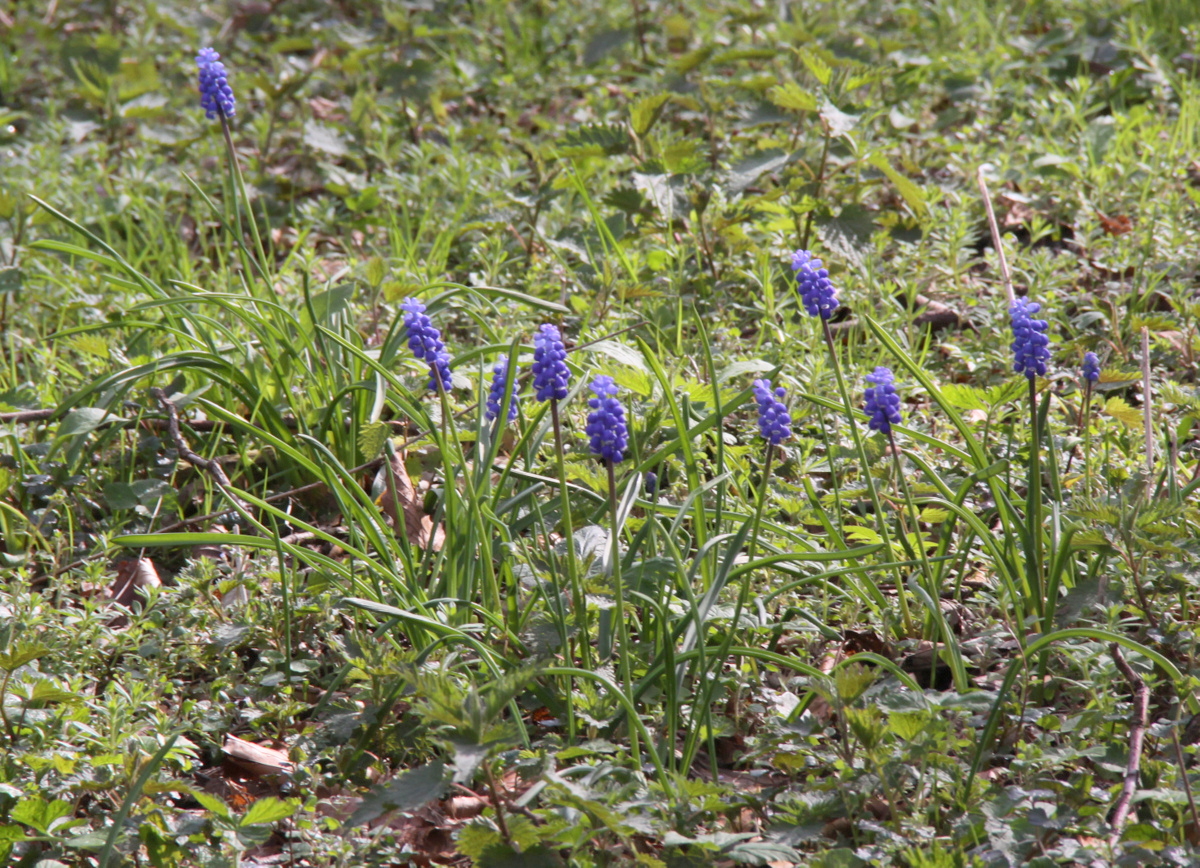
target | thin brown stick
x=1147, y=404
x=210, y=465
x=1137, y=734
x=996, y=242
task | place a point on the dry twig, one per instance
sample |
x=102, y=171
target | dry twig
x=1137, y=734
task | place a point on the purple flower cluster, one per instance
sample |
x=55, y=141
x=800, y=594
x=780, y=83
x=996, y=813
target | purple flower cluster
x=882, y=402
x=425, y=341
x=551, y=378
x=1091, y=368
x=812, y=281
x=500, y=385
x=1030, y=346
x=774, y=421
x=216, y=96
x=606, y=429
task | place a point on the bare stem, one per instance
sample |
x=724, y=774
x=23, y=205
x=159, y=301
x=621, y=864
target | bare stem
x=996, y=242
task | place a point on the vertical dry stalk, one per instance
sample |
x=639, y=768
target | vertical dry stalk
x=1147, y=403
x=995, y=227
x=1137, y=734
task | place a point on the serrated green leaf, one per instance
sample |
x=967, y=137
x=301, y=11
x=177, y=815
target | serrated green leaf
x=212, y=803
x=24, y=652
x=85, y=420
x=407, y=792
x=620, y=353
x=594, y=140
x=908, y=190
x=908, y=724
x=687, y=62
x=963, y=397
x=1120, y=410
x=763, y=853
x=647, y=110
x=11, y=279
x=793, y=97
x=837, y=122
x=371, y=438
x=269, y=810
x=818, y=67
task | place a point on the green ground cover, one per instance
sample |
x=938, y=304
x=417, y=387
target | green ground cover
x=269, y=599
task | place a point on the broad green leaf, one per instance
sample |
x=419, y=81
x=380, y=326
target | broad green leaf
x=24, y=652
x=910, y=192
x=212, y=803
x=620, y=353
x=793, y=97
x=325, y=139
x=37, y=812
x=407, y=792
x=11, y=278
x=371, y=439
x=1120, y=410
x=817, y=66
x=837, y=122
x=644, y=112
x=746, y=172
x=269, y=810
x=85, y=420
x=964, y=397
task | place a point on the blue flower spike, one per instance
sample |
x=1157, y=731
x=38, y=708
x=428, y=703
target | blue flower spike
x=425, y=341
x=551, y=378
x=606, y=429
x=1091, y=368
x=812, y=281
x=774, y=421
x=882, y=403
x=500, y=385
x=216, y=96
x=1031, y=345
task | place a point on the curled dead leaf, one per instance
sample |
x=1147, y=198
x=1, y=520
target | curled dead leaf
x=405, y=509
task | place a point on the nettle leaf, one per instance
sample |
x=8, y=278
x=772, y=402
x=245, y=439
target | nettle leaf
x=371, y=438
x=1120, y=410
x=594, y=140
x=793, y=97
x=23, y=653
x=619, y=353
x=908, y=190
x=820, y=70
x=646, y=111
x=763, y=853
x=407, y=792
x=687, y=62
x=85, y=420
x=325, y=139
x=837, y=122
x=849, y=234
x=960, y=396
x=11, y=279
x=743, y=174
x=269, y=810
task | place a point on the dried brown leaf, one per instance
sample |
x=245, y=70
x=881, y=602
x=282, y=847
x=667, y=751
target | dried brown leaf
x=409, y=514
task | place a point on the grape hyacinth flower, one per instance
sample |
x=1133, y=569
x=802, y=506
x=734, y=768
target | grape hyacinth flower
x=1091, y=368
x=216, y=96
x=499, y=386
x=774, y=421
x=550, y=375
x=1031, y=345
x=606, y=428
x=816, y=289
x=425, y=341
x=882, y=402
